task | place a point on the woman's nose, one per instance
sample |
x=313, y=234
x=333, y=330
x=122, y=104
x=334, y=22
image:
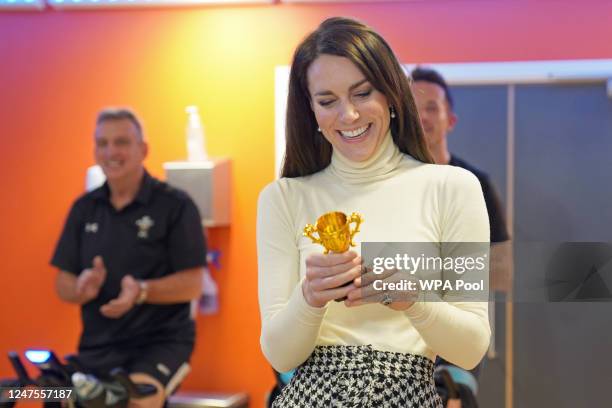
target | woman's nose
x=349, y=113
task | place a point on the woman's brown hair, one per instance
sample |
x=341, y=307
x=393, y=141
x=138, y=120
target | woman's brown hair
x=307, y=151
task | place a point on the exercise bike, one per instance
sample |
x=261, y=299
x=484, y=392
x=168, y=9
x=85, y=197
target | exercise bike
x=68, y=384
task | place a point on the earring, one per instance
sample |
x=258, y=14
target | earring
x=319, y=129
x=392, y=112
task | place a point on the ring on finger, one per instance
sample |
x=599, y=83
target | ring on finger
x=386, y=300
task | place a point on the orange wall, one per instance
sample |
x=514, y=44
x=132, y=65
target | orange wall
x=58, y=68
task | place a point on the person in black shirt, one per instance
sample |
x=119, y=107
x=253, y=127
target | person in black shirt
x=435, y=106
x=132, y=254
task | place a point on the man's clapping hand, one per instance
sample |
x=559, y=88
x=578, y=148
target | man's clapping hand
x=90, y=281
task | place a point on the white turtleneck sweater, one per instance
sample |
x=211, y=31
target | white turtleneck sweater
x=401, y=200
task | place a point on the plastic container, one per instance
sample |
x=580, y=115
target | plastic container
x=196, y=141
x=209, y=301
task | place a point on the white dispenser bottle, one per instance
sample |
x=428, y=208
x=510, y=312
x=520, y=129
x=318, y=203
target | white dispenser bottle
x=196, y=145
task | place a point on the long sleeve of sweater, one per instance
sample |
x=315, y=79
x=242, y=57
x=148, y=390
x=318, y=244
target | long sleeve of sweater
x=290, y=326
x=458, y=331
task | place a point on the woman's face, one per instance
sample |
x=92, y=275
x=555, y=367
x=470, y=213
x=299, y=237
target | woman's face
x=353, y=116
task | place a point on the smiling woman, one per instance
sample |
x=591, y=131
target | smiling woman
x=352, y=115
x=355, y=144
x=339, y=72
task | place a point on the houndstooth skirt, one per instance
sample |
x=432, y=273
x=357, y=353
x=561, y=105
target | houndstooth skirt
x=361, y=377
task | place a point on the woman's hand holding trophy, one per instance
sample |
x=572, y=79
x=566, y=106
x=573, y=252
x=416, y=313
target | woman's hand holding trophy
x=391, y=290
x=329, y=276
x=338, y=274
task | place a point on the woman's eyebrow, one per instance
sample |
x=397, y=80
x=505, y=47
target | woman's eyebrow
x=355, y=85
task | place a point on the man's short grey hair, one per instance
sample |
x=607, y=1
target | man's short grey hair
x=108, y=114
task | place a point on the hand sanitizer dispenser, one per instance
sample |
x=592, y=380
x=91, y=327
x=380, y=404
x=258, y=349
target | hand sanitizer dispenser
x=196, y=142
x=206, y=180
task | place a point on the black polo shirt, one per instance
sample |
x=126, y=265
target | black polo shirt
x=157, y=234
x=497, y=219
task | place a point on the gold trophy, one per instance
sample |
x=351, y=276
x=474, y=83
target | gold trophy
x=334, y=231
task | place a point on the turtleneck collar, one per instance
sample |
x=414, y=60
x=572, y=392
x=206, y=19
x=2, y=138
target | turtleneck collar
x=380, y=166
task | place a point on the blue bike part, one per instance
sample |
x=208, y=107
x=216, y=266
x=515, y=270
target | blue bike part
x=286, y=376
x=38, y=356
x=461, y=376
